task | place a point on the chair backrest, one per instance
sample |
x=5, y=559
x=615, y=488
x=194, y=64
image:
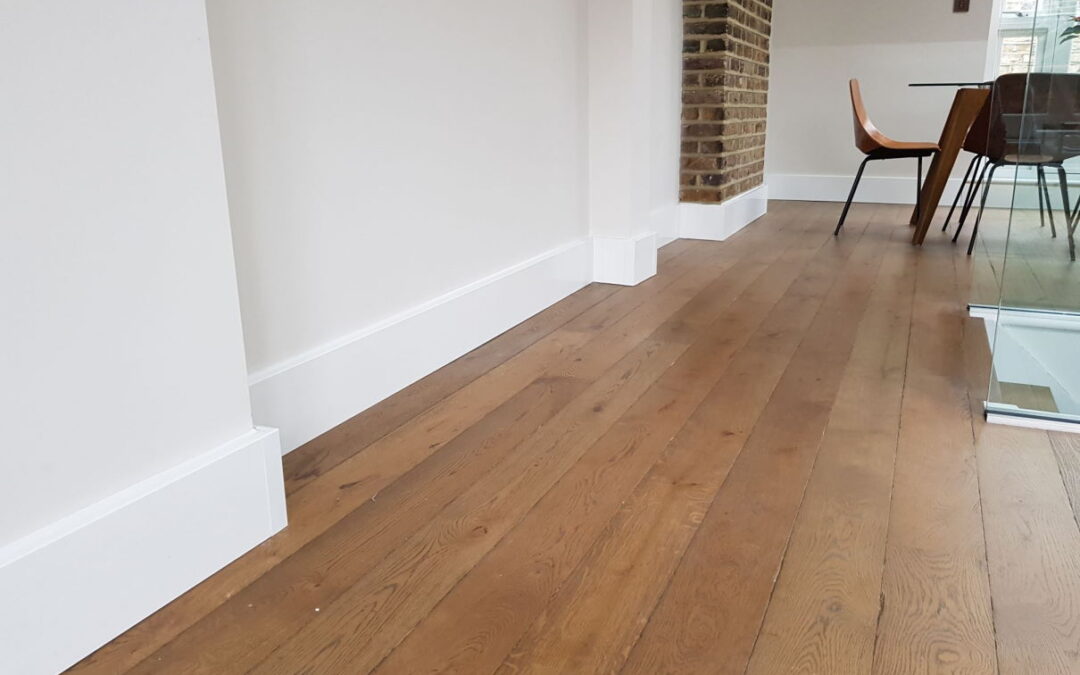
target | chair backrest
x=866, y=134
x=1020, y=108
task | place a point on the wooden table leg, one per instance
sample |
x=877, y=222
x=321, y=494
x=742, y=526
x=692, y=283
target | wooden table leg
x=965, y=109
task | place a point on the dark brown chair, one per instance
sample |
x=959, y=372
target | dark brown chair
x=876, y=145
x=978, y=141
x=1029, y=120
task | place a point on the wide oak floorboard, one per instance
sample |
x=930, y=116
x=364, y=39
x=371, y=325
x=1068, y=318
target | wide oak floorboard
x=823, y=614
x=936, y=615
x=711, y=611
x=490, y=608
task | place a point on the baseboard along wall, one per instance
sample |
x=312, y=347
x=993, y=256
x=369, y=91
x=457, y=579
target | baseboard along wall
x=314, y=392
x=72, y=586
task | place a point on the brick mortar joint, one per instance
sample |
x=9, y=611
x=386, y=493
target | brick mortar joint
x=764, y=78
x=713, y=36
x=728, y=18
x=720, y=171
x=744, y=43
x=704, y=3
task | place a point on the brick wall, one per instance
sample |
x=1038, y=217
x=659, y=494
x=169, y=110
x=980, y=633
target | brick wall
x=725, y=80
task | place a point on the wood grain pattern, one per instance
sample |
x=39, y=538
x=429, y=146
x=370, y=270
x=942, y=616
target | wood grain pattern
x=273, y=607
x=315, y=458
x=358, y=629
x=712, y=609
x=1033, y=547
x=936, y=616
x=591, y=625
x=490, y=608
x=824, y=610
x=1067, y=451
x=691, y=475
x=690, y=313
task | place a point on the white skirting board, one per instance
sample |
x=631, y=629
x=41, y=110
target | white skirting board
x=717, y=222
x=71, y=587
x=314, y=392
x=319, y=390
x=901, y=190
x=626, y=262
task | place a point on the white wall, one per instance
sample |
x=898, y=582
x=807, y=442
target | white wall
x=665, y=116
x=122, y=351
x=618, y=112
x=380, y=153
x=818, y=46
x=635, y=106
x=635, y=81
x=127, y=430
x=388, y=161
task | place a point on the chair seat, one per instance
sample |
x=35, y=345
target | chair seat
x=1025, y=159
x=887, y=148
x=890, y=144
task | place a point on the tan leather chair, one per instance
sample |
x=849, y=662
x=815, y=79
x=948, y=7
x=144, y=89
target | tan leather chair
x=876, y=145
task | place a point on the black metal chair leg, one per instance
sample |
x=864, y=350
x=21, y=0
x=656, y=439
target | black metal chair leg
x=982, y=207
x=1040, y=178
x=1046, y=198
x=918, y=189
x=1063, y=185
x=1071, y=229
x=851, y=195
x=973, y=194
x=963, y=183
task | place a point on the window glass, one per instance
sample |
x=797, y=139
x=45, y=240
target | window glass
x=1016, y=53
x=1029, y=36
x=1013, y=6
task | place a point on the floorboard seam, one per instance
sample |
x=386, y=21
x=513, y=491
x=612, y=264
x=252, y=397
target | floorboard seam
x=661, y=598
x=896, y=453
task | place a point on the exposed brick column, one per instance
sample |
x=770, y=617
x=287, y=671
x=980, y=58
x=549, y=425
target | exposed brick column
x=725, y=83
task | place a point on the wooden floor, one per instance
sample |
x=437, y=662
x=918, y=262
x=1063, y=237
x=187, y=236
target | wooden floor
x=1020, y=264
x=1035, y=272
x=769, y=458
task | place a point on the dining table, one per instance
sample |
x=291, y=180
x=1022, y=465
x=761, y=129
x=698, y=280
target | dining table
x=967, y=103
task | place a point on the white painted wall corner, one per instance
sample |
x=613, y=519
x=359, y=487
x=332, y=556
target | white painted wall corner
x=77, y=583
x=665, y=223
